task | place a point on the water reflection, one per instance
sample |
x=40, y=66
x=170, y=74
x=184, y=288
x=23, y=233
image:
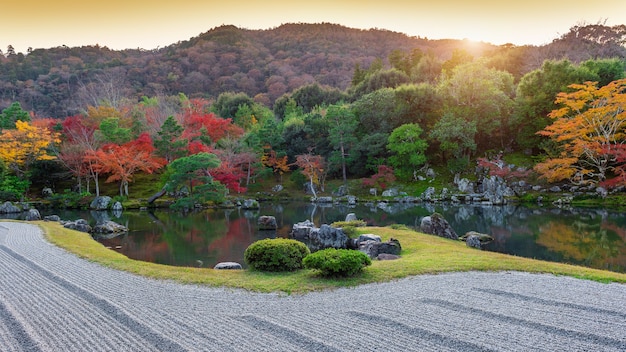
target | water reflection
x=590, y=237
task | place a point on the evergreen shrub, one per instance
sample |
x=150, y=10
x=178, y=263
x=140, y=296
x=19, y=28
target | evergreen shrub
x=337, y=262
x=278, y=254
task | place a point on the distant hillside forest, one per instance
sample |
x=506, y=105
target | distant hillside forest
x=264, y=64
x=321, y=98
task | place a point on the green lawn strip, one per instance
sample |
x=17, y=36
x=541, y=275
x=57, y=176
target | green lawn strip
x=421, y=254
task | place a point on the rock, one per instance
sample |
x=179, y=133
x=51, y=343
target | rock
x=277, y=188
x=374, y=248
x=227, y=266
x=495, y=190
x=117, y=206
x=109, y=227
x=473, y=241
x=555, y=189
x=387, y=256
x=33, y=214
x=428, y=194
x=47, y=192
x=319, y=238
x=602, y=192
x=267, y=222
x=482, y=237
x=51, y=218
x=9, y=208
x=352, y=200
x=322, y=200
x=465, y=186
x=100, y=203
x=391, y=192
x=250, y=204
x=536, y=188
x=438, y=226
x=430, y=173
x=341, y=191
x=368, y=237
x=351, y=217
x=78, y=225
x=373, y=191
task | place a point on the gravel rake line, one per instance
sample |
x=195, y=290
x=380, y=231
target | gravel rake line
x=287, y=334
x=19, y=333
x=553, y=330
x=553, y=303
x=419, y=333
x=157, y=340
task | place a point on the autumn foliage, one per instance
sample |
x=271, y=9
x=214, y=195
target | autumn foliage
x=589, y=131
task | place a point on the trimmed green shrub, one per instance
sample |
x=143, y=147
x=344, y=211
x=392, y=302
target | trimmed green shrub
x=337, y=262
x=278, y=254
x=349, y=227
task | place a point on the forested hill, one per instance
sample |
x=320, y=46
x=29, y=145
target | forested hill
x=264, y=64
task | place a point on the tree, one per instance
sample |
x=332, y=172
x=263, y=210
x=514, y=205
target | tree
x=279, y=165
x=12, y=114
x=21, y=147
x=342, y=127
x=456, y=138
x=111, y=132
x=190, y=171
x=121, y=162
x=169, y=144
x=590, y=134
x=313, y=167
x=407, y=148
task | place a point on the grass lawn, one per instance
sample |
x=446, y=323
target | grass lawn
x=421, y=254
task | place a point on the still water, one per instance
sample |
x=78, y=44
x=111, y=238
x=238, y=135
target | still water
x=589, y=237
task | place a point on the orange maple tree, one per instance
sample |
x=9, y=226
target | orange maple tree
x=589, y=131
x=312, y=166
x=121, y=162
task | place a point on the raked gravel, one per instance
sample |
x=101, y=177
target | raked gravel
x=51, y=300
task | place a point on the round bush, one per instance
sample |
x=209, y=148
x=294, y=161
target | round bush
x=278, y=254
x=337, y=262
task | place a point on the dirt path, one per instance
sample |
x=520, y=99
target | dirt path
x=53, y=301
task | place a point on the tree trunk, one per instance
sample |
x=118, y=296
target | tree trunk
x=157, y=195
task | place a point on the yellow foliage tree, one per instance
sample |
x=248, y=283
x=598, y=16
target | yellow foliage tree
x=590, y=131
x=27, y=143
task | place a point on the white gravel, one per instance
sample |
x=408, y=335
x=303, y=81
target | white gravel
x=51, y=300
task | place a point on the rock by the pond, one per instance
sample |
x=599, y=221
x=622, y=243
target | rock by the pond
x=322, y=200
x=33, y=214
x=387, y=256
x=374, y=248
x=52, y=218
x=267, y=222
x=341, y=191
x=9, y=208
x=78, y=225
x=438, y=226
x=351, y=217
x=352, y=200
x=227, y=266
x=47, y=192
x=277, y=188
x=392, y=192
x=319, y=238
x=465, y=186
x=100, y=203
x=250, y=204
x=368, y=237
x=108, y=227
x=482, y=237
x=117, y=206
x=473, y=241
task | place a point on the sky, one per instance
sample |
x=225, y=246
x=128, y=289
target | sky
x=148, y=24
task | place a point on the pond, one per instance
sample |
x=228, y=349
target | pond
x=590, y=237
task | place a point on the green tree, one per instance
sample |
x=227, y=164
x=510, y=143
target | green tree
x=11, y=114
x=111, y=132
x=407, y=149
x=169, y=145
x=456, y=139
x=194, y=173
x=341, y=134
x=228, y=103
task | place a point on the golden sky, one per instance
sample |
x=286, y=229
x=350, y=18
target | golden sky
x=147, y=24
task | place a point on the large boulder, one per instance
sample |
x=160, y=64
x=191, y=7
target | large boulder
x=465, y=186
x=266, y=222
x=482, y=237
x=319, y=238
x=473, y=241
x=351, y=217
x=32, y=215
x=78, y=225
x=100, y=203
x=52, y=218
x=374, y=248
x=9, y=208
x=227, y=266
x=496, y=190
x=392, y=192
x=438, y=226
x=250, y=204
x=109, y=227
